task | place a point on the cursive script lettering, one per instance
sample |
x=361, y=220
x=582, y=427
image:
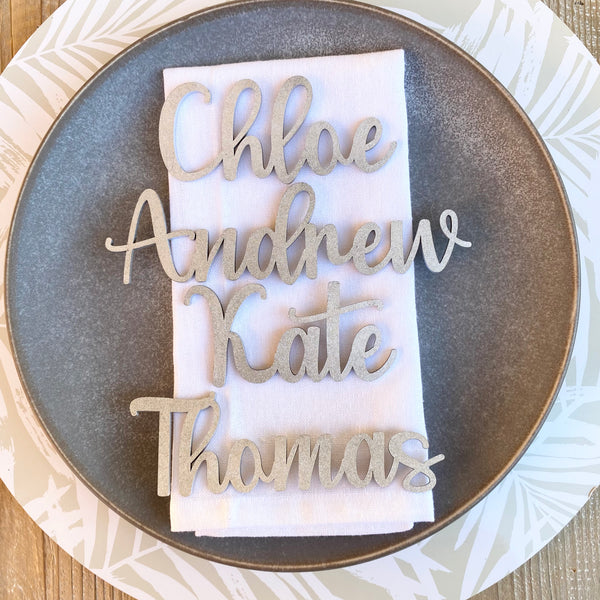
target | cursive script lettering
x=365, y=344
x=191, y=456
x=366, y=239
x=366, y=137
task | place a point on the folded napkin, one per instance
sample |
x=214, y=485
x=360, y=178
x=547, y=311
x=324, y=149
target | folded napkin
x=346, y=90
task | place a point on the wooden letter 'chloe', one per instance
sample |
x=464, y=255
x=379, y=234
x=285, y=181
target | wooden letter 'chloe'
x=367, y=135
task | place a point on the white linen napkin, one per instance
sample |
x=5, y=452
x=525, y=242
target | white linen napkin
x=346, y=90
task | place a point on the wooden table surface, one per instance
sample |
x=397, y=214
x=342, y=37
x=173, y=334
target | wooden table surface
x=33, y=567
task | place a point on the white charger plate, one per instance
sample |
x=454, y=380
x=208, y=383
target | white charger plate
x=558, y=83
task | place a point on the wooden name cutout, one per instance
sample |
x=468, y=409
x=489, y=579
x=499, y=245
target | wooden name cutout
x=365, y=344
x=367, y=135
x=309, y=455
x=367, y=239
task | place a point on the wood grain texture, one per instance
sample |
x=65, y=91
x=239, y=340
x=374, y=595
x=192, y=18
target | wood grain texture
x=48, y=7
x=6, y=51
x=33, y=567
x=25, y=18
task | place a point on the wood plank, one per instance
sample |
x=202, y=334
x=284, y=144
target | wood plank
x=21, y=552
x=50, y=568
x=77, y=580
x=25, y=17
x=103, y=590
x=65, y=576
x=5, y=33
x=49, y=6
x=88, y=585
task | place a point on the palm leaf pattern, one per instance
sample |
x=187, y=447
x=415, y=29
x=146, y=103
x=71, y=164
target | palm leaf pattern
x=558, y=83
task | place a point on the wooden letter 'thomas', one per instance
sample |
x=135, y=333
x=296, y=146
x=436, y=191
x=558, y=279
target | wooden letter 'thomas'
x=190, y=456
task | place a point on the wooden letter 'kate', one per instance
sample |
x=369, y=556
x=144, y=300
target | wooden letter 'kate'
x=366, y=343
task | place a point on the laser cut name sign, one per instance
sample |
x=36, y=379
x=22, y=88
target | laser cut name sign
x=309, y=454
x=367, y=341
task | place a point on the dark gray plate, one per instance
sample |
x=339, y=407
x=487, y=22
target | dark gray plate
x=495, y=327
